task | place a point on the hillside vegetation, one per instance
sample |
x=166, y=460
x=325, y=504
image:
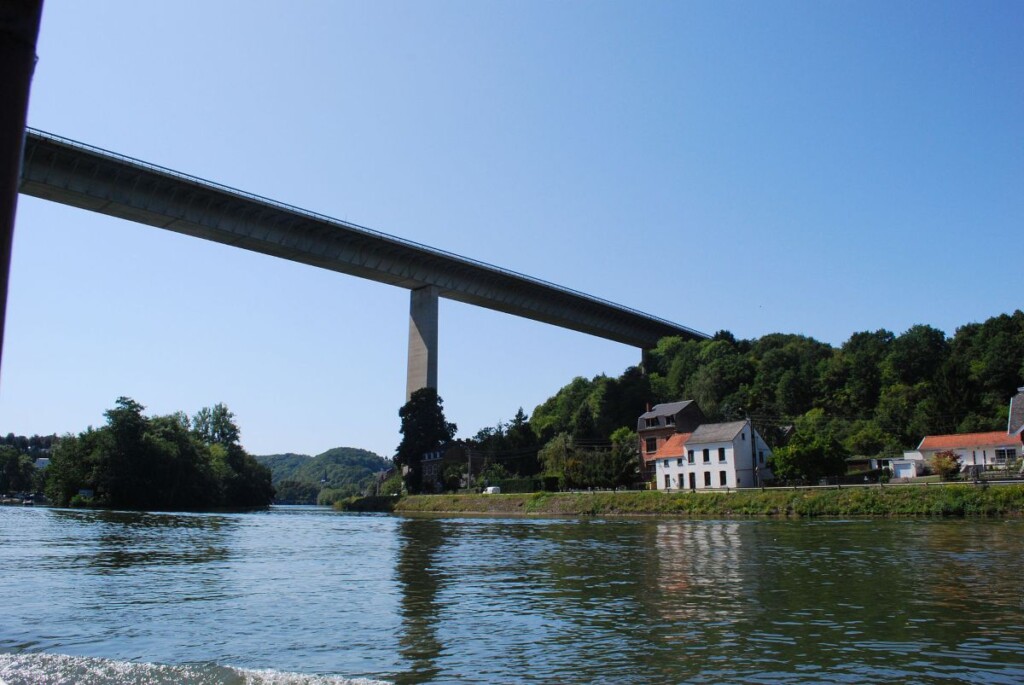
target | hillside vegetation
x=337, y=473
x=878, y=393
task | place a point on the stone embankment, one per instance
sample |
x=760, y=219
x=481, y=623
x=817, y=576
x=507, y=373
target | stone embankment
x=893, y=500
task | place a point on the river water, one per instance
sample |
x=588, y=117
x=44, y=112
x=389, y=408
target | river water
x=307, y=595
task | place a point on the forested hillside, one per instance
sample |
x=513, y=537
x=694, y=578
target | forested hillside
x=337, y=473
x=878, y=393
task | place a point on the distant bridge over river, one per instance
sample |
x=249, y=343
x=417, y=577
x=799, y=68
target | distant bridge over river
x=80, y=175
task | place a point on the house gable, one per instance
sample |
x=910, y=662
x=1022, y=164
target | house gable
x=1015, y=426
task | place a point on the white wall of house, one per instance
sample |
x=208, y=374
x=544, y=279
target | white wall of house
x=670, y=473
x=907, y=468
x=983, y=457
x=728, y=465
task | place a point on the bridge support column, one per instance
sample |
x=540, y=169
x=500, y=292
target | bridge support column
x=422, y=370
x=19, y=28
x=645, y=360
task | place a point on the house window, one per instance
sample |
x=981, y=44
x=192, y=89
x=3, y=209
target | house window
x=689, y=456
x=707, y=479
x=668, y=483
x=707, y=456
x=651, y=444
x=679, y=461
x=1005, y=456
x=722, y=478
x=651, y=423
x=760, y=456
x=721, y=454
x=670, y=420
x=666, y=463
x=743, y=436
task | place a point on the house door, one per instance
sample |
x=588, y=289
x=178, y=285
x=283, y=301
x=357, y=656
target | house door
x=693, y=481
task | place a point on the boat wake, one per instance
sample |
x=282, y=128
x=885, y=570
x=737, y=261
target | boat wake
x=59, y=669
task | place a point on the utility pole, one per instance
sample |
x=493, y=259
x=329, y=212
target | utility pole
x=19, y=30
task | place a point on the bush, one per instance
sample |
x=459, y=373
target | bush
x=393, y=485
x=946, y=464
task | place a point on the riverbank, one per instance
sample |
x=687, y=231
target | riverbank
x=890, y=501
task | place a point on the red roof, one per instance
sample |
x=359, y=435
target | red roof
x=967, y=441
x=673, y=448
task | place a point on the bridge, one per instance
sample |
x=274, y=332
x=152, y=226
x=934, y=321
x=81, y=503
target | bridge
x=80, y=175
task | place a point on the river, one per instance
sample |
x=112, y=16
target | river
x=307, y=595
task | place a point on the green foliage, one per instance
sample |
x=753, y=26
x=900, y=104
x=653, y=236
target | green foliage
x=512, y=444
x=376, y=503
x=140, y=462
x=34, y=446
x=940, y=500
x=296, y=492
x=491, y=474
x=344, y=471
x=215, y=425
x=878, y=394
x=424, y=429
x=17, y=471
x=812, y=453
x=576, y=467
x=946, y=464
x=392, y=486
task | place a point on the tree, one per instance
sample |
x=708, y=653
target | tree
x=813, y=452
x=556, y=456
x=16, y=470
x=424, y=429
x=216, y=425
x=915, y=356
x=140, y=462
x=946, y=464
x=624, y=458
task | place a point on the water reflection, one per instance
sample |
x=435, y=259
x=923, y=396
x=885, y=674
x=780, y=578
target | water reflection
x=700, y=567
x=124, y=539
x=420, y=582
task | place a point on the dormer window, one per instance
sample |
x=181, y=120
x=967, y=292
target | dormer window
x=651, y=423
x=670, y=420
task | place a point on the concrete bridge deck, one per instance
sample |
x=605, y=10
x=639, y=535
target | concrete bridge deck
x=72, y=173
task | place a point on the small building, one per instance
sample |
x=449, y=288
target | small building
x=910, y=465
x=861, y=464
x=657, y=425
x=669, y=460
x=991, y=450
x=713, y=456
x=435, y=463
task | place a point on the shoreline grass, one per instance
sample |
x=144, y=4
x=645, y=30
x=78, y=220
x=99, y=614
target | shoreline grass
x=953, y=500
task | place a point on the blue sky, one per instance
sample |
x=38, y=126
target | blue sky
x=814, y=168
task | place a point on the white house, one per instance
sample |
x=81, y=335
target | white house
x=992, y=450
x=713, y=456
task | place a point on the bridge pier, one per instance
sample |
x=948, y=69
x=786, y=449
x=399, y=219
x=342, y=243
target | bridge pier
x=19, y=30
x=422, y=369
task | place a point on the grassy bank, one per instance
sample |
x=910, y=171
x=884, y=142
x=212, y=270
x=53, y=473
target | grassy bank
x=946, y=500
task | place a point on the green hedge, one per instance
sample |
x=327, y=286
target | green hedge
x=946, y=500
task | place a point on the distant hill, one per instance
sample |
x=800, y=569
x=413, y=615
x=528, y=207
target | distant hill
x=343, y=471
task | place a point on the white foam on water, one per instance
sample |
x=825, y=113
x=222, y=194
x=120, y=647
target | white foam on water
x=61, y=669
